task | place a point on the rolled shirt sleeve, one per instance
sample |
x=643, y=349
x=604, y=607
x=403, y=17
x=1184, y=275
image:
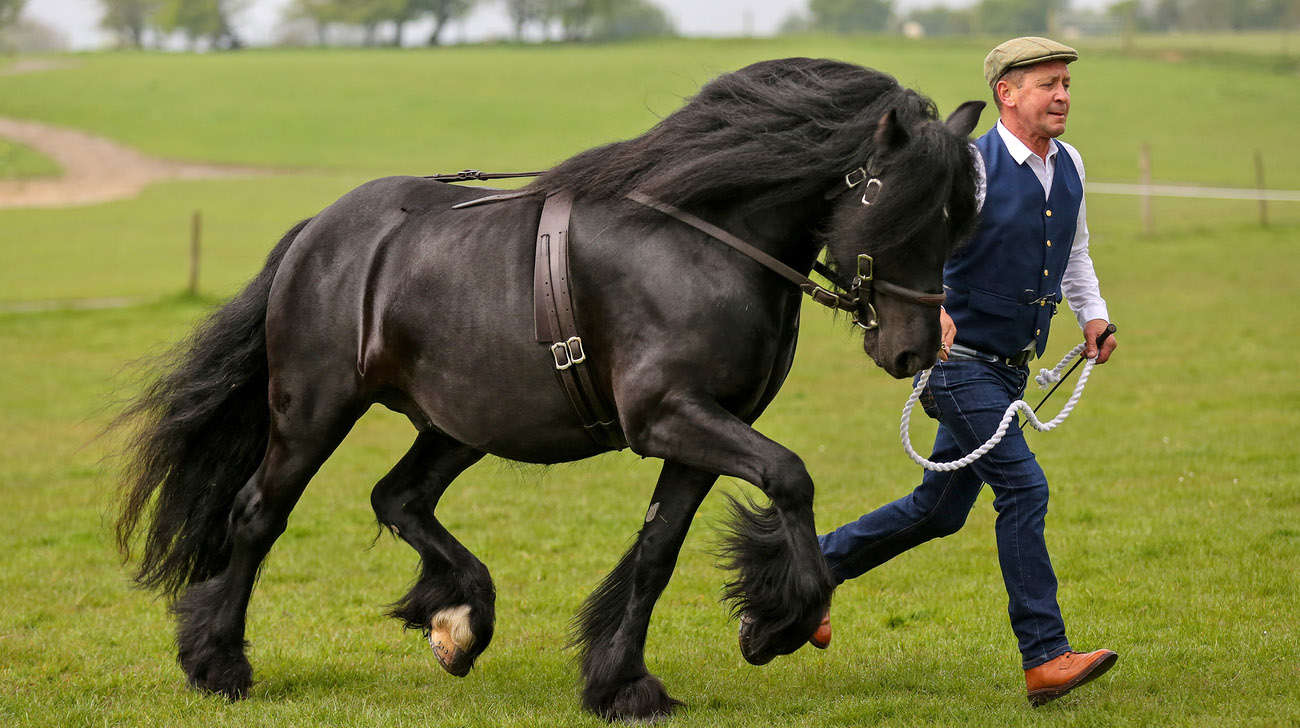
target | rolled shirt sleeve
x=1079, y=281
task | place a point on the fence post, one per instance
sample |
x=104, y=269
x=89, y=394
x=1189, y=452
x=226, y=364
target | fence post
x=1144, y=175
x=196, y=234
x=1259, y=183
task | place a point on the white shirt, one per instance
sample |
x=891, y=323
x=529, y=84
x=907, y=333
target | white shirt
x=1079, y=280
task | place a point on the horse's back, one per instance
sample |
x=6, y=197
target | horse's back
x=429, y=309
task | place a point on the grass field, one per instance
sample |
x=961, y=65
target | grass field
x=1176, y=486
x=21, y=162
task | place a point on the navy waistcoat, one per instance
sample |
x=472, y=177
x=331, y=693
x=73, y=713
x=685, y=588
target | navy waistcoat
x=1003, y=286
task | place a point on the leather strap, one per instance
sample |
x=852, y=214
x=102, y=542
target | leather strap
x=824, y=296
x=555, y=323
x=493, y=198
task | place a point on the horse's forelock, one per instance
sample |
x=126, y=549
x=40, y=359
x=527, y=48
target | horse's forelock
x=931, y=178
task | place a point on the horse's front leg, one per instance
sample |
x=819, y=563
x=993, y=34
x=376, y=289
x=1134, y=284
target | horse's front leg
x=782, y=584
x=611, y=628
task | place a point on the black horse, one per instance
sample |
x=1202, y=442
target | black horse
x=391, y=296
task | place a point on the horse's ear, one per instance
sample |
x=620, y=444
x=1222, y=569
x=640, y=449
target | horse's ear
x=964, y=120
x=889, y=133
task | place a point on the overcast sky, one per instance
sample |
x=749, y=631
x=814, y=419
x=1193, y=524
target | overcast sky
x=78, y=20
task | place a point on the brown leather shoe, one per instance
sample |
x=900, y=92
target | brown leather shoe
x=1060, y=675
x=821, y=639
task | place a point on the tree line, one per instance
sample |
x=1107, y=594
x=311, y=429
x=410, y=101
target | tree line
x=381, y=22
x=1036, y=17
x=209, y=23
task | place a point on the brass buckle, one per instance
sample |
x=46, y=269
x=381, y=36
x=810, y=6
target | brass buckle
x=568, y=352
x=874, y=185
x=866, y=271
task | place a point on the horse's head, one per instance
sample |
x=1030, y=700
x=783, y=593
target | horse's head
x=894, y=224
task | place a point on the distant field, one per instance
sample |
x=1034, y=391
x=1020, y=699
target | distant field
x=415, y=111
x=1259, y=45
x=1175, y=485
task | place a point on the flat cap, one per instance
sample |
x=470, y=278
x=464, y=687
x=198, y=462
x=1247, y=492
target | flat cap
x=1024, y=51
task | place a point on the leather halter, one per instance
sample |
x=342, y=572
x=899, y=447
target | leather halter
x=860, y=291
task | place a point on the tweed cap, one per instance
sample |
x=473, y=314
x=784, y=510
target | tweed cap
x=1024, y=51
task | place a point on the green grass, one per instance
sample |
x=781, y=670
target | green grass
x=21, y=162
x=1175, y=484
x=419, y=111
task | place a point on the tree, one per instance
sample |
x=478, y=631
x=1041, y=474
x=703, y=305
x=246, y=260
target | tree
x=443, y=12
x=9, y=12
x=129, y=19
x=850, y=16
x=527, y=12
x=368, y=15
x=629, y=19
x=1019, y=17
x=202, y=20
x=320, y=13
x=942, y=20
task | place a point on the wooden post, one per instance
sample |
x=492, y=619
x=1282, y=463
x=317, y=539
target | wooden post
x=196, y=234
x=1259, y=184
x=1144, y=176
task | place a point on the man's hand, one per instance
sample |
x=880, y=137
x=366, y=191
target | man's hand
x=947, y=333
x=1091, y=331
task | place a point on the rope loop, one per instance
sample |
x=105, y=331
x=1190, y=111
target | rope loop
x=1045, y=379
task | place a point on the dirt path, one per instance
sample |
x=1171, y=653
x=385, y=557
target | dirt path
x=94, y=169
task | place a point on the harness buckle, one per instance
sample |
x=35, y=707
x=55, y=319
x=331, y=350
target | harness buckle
x=576, y=354
x=866, y=271
x=874, y=185
x=567, y=353
x=827, y=297
x=856, y=177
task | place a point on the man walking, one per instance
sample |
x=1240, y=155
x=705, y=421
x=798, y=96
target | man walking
x=1030, y=250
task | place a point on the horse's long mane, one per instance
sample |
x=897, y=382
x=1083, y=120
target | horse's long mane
x=769, y=133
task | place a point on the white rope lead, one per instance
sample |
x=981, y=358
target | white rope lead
x=1045, y=378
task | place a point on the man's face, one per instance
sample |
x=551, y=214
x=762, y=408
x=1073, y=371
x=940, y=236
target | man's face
x=1042, y=100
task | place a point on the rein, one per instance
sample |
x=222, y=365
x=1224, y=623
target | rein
x=860, y=291
x=1045, y=378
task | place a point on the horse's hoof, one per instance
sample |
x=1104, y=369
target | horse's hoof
x=231, y=682
x=644, y=700
x=451, y=638
x=452, y=658
x=747, y=643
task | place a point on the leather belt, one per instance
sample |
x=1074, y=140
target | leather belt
x=957, y=351
x=555, y=323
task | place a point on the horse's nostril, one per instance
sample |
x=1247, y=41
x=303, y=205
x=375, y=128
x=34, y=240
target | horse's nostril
x=907, y=364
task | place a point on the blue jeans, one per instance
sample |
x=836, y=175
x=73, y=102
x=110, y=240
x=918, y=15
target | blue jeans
x=969, y=397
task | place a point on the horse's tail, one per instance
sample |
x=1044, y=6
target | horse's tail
x=197, y=433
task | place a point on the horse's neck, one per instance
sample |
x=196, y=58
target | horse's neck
x=788, y=231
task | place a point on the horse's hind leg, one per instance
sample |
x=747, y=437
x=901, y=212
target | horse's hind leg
x=212, y=614
x=613, y=622
x=453, y=602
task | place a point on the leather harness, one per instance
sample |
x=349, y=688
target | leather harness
x=554, y=322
